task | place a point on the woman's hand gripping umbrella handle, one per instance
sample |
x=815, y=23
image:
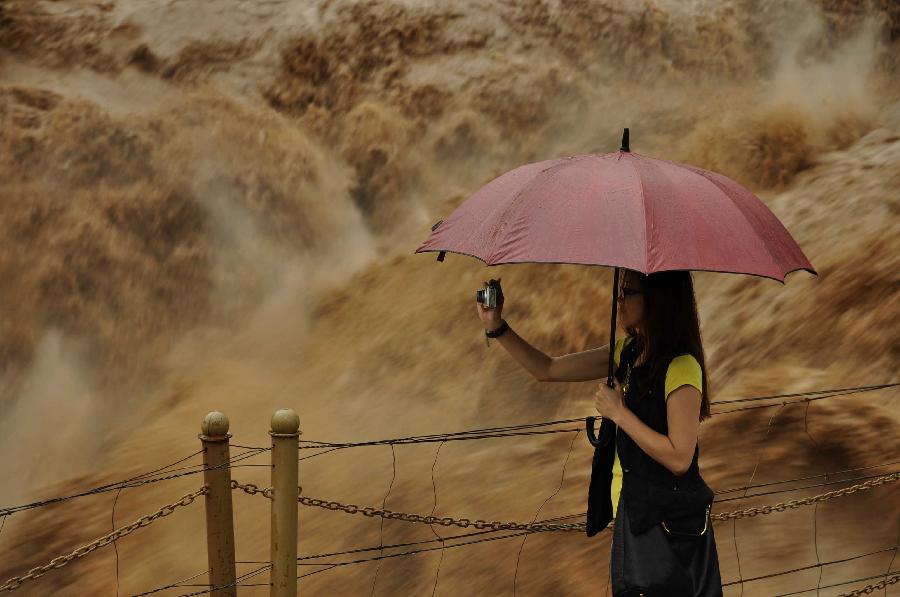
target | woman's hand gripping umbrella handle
x=607, y=427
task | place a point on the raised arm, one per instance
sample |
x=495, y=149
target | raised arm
x=532, y=360
x=579, y=366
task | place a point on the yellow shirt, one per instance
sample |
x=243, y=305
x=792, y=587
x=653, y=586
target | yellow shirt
x=683, y=370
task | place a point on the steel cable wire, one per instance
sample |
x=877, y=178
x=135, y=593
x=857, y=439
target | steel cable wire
x=810, y=567
x=236, y=583
x=173, y=585
x=507, y=431
x=864, y=591
x=409, y=553
x=132, y=482
x=848, y=470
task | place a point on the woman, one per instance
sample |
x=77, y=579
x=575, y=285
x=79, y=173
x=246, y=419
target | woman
x=649, y=479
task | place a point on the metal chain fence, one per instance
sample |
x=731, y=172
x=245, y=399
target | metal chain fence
x=59, y=562
x=573, y=527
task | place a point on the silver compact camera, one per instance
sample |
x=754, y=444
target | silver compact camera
x=488, y=297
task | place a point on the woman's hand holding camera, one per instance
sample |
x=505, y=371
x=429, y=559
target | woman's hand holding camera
x=490, y=316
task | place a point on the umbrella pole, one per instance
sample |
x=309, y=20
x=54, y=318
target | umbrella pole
x=606, y=426
x=612, y=329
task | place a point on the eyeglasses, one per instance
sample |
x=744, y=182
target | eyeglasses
x=626, y=292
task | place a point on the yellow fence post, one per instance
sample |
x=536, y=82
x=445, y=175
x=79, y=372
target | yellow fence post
x=219, y=514
x=285, y=465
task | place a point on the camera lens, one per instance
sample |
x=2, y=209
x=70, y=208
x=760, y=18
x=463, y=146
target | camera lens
x=479, y=296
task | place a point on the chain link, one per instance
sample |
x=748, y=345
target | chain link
x=871, y=588
x=445, y=521
x=252, y=489
x=60, y=561
x=572, y=527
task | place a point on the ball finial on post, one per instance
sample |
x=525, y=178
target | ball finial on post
x=285, y=422
x=215, y=424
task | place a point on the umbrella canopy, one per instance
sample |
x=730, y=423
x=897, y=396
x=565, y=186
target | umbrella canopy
x=620, y=209
x=623, y=210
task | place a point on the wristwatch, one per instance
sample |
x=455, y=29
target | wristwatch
x=499, y=331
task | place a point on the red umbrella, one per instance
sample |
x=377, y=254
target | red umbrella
x=622, y=210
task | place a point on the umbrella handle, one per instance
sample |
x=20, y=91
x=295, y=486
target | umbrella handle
x=606, y=431
x=607, y=427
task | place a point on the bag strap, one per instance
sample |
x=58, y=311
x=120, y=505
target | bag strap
x=706, y=521
x=628, y=356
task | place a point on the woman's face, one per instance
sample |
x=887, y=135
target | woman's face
x=630, y=304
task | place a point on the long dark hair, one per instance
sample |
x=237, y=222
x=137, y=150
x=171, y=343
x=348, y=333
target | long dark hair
x=671, y=324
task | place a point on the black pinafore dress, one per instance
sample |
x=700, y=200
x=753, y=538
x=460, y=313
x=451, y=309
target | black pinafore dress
x=663, y=542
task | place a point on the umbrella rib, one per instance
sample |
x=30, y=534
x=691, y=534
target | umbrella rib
x=646, y=220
